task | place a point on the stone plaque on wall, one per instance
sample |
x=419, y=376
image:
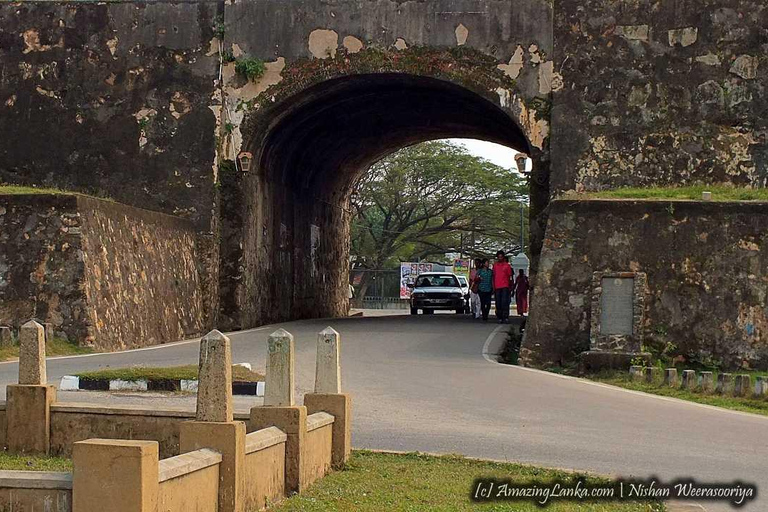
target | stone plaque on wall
x=617, y=306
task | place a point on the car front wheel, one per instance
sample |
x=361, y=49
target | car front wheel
x=414, y=311
x=428, y=311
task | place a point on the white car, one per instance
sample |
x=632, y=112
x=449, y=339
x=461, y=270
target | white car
x=437, y=290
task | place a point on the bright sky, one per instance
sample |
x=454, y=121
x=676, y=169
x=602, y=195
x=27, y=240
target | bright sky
x=496, y=153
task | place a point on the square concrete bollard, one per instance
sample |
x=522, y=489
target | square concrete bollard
x=689, y=380
x=229, y=440
x=279, y=381
x=293, y=421
x=670, y=377
x=48, y=332
x=724, y=383
x=32, y=368
x=651, y=374
x=328, y=367
x=115, y=476
x=706, y=382
x=340, y=407
x=6, y=337
x=28, y=418
x=214, y=389
x=761, y=386
x=636, y=373
x=742, y=385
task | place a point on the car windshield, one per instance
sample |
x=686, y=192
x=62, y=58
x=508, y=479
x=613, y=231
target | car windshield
x=437, y=280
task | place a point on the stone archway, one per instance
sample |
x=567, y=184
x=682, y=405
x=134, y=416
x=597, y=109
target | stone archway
x=285, y=225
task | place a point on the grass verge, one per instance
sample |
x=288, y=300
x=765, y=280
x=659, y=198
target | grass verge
x=187, y=372
x=745, y=404
x=54, y=348
x=10, y=462
x=406, y=482
x=719, y=193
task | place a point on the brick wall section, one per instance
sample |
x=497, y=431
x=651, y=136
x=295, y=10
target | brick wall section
x=707, y=276
x=103, y=273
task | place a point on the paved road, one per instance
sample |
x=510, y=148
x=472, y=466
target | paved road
x=421, y=383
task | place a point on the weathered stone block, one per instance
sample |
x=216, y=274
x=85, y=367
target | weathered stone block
x=32, y=368
x=594, y=361
x=636, y=372
x=706, y=382
x=761, y=386
x=229, y=440
x=214, y=390
x=689, y=380
x=651, y=374
x=279, y=381
x=742, y=385
x=28, y=418
x=48, y=332
x=670, y=377
x=328, y=367
x=724, y=383
x=115, y=475
x=6, y=337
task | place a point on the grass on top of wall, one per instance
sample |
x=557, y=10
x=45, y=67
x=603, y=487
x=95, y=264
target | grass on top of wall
x=24, y=190
x=755, y=405
x=693, y=193
x=10, y=462
x=55, y=347
x=372, y=482
x=187, y=372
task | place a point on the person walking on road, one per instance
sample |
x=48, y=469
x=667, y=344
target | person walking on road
x=485, y=288
x=522, y=285
x=474, y=298
x=502, y=284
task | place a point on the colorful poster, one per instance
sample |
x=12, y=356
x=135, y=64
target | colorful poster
x=461, y=267
x=408, y=273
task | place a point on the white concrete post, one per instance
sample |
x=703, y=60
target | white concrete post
x=32, y=370
x=6, y=339
x=279, y=383
x=214, y=388
x=328, y=366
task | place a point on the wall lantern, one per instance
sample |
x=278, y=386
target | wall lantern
x=245, y=159
x=521, y=160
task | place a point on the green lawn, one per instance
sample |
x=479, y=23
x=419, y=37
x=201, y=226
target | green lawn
x=750, y=404
x=188, y=372
x=22, y=190
x=719, y=193
x=376, y=482
x=30, y=463
x=55, y=347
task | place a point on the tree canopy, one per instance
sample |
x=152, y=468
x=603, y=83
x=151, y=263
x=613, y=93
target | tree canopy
x=431, y=199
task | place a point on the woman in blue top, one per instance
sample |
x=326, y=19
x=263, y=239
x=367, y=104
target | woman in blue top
x=485, y=288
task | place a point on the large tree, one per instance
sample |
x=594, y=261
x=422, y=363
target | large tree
x=434, y=198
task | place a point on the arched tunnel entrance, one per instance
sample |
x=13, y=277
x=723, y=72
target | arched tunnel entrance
x=285, y=224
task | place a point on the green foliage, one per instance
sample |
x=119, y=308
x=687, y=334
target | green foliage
x=54, y=347
x=692, y=193
x=228, y=56
x=510, y=354
x=250, y=68
x=219, y=27
x=434, y=198
x=9, y=462
x=413, y=481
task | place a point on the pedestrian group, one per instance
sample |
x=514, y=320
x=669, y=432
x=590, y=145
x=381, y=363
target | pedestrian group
x=497, y=282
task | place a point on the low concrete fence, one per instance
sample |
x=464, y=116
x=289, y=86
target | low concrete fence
x=32, y=491
x=703, y=382
x=131, y=459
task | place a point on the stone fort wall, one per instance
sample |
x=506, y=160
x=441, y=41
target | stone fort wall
x=706, y=269
x=104, y=274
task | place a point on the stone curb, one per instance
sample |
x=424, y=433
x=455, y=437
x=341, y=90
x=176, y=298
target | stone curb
x=74, y=383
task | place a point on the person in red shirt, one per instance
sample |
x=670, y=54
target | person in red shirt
x=521, y=293
x=502, y=281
